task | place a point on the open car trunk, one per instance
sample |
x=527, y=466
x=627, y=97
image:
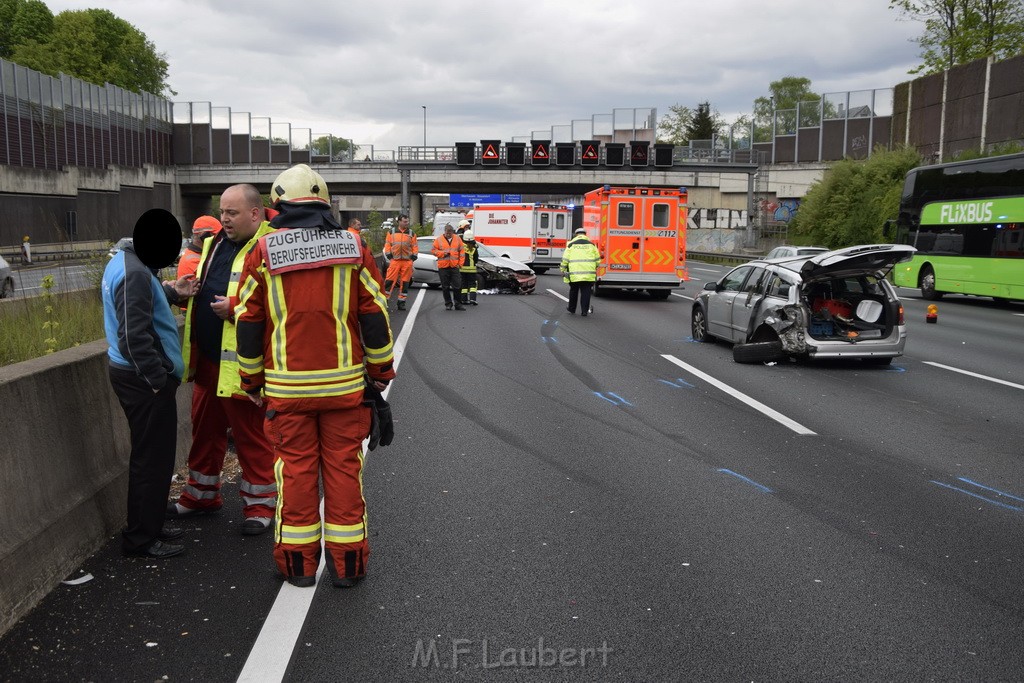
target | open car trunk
x=849, y=309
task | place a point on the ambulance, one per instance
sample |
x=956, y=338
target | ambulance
x=532, y=233
x=641, y=233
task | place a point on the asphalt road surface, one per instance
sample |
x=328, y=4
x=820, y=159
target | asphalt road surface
x=602, y=498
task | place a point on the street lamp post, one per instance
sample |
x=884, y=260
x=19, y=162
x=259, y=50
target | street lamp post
x=424, y=124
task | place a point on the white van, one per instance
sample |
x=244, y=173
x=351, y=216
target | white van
x=442, y=218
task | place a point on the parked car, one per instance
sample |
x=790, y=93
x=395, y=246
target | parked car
x=118, y=246
x=493, y=271
x=6, y=278
x=788, y=251
x=836, y=304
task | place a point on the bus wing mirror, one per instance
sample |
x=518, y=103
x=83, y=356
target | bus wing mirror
x=889, y=229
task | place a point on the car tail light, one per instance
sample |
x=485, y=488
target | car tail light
x=899, y=318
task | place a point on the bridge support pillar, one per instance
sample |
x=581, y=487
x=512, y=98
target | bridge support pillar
x=191, y=207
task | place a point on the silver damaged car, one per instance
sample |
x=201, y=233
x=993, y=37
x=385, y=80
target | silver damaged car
x=835, y=304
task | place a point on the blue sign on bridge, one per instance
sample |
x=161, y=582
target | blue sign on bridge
x=468, y=200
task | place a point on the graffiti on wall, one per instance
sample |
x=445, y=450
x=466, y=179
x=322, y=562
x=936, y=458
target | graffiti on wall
x=779, y=210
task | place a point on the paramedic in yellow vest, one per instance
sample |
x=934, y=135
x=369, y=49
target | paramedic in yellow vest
x=468, y=268
x=401, y=249
x=579, y=269
x=218, y=401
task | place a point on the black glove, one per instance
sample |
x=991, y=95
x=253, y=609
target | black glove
x=382, y=426
x=414, y=257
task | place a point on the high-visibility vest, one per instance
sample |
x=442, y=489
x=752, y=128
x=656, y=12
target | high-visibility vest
x=400, y=246
x=228, y=383
x=449, y=254
x=579, y=260
x=469, y=261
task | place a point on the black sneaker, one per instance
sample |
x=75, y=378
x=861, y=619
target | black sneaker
x=343, y=582
x=459, y=307
x=447, y=307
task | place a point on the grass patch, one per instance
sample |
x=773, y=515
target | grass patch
x=29, y=330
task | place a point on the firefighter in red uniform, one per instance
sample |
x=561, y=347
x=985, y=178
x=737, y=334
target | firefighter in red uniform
x=218, y=401
x=313, y=335
x=401, y=248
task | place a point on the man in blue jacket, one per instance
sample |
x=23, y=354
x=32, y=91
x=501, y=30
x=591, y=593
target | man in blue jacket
x=145, y=370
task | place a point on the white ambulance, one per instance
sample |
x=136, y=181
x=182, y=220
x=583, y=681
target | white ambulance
x=532, y=233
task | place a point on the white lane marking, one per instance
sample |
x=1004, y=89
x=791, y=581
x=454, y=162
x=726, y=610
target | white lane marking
x=272, y=652
x=706, y=270
x=974, y=374
x=559, y=295
x=683, y=296
x=756, y=405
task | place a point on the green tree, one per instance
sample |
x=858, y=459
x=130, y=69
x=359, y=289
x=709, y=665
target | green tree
x=329, y=144
x=960, y=31
x=854, y=199
x=99, y=47
x=706, y=123
x=32, y=21
x=672, y=127
x=785, y=95
x=8, y=11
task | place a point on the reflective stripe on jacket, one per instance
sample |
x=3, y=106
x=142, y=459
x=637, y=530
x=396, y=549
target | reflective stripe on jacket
x=400, y=245
x=579, y=260
x=470, y=259
x=227, y=380
x=449, y=254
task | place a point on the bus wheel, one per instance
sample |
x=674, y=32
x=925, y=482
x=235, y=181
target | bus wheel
x=928, y=284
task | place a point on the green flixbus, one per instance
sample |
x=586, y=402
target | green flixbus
x=966, y=220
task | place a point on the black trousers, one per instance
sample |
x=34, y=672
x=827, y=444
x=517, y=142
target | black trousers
x=153, y=422
x=581, y=291
x=451, y=285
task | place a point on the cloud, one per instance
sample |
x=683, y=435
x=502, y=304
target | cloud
x=364, y=70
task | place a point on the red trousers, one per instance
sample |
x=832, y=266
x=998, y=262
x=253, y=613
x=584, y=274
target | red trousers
x=211, y=417
x=400, y=273
x=309, y=446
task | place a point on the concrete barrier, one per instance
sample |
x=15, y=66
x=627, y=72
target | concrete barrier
x=63, y=470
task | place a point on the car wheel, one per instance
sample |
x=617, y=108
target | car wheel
x=481, y=281
x=659, y=294
x=927, y=284
x=758, y=352
x=597, y=290
x=699, y=326
x=6, y=287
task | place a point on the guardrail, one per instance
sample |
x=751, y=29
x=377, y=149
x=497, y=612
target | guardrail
x=721, y=258
x=58, y=251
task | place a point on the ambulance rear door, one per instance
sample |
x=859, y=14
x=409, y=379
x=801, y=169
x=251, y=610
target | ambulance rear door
x=551, y=231
x=659, y=238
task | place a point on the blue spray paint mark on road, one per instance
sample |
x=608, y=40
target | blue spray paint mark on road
x=975, y=495
x=896, y=368
x=750, y=481
x=989, y=488
x=615, y=400
x=681, y=383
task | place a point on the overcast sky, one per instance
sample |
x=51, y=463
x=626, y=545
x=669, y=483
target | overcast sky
x=495, y=69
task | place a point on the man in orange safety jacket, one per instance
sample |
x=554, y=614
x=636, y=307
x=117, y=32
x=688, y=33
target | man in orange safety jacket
x=203, y=227
x=450, y=252
x=313, y=336
x=401, y=248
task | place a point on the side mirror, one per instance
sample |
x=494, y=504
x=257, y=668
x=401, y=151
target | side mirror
x=888, y=229
x=711, y=286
